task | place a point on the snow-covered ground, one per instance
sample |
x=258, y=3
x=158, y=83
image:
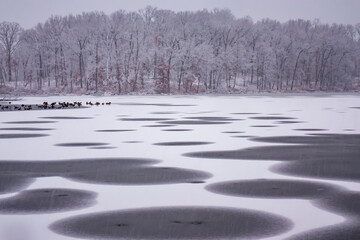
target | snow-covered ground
x=332, y=114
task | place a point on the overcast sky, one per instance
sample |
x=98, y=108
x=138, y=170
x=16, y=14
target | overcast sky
x=30, y=12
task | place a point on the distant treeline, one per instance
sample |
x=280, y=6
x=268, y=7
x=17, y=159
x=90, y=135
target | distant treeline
x=160, y=51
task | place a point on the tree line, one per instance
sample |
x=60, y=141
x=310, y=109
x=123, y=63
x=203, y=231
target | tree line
x=160, y=51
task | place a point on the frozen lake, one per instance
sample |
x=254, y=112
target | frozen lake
x=182, y=167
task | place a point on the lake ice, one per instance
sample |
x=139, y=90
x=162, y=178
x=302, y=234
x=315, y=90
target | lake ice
x=200, y=165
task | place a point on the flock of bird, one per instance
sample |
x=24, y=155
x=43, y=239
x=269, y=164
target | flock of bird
x=97, y=103
x=54, y=105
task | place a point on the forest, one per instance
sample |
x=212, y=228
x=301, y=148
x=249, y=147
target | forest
x=155, y=51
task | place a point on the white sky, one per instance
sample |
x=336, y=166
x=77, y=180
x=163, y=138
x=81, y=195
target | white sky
x=30, y=12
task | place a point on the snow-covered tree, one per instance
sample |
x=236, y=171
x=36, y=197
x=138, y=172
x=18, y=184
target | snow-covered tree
x=160, y=51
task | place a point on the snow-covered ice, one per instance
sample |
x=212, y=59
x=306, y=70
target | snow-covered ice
x=335, y=114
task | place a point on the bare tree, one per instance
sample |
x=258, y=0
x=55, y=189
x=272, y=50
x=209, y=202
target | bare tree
x=9, y=39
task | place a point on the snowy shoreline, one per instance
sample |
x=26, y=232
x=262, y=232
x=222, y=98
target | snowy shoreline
x=13, y=97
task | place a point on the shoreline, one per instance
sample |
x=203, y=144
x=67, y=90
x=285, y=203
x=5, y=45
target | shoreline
x=15, y=97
